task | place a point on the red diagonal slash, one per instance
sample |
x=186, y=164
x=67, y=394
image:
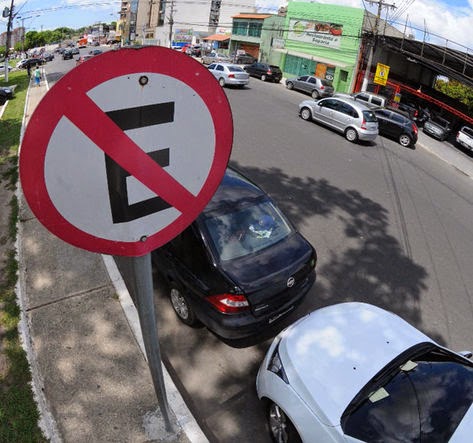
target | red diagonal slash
x=124, y=151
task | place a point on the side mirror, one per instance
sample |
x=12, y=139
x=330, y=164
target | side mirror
x=466, y=354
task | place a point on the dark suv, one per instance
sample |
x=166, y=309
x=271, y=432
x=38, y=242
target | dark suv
x=396, y=125
x=264, y=71
x=240, y=266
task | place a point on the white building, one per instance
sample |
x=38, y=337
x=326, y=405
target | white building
x=166, y=22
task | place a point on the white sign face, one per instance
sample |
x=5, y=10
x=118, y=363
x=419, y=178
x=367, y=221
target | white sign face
x=127, y=159
x=186, y=138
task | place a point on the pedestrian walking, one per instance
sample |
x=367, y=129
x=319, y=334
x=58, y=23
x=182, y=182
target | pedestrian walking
x=28, y=70
x=37, y=76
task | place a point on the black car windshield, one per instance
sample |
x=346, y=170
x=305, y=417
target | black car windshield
x=423, y=400
x=246, y=230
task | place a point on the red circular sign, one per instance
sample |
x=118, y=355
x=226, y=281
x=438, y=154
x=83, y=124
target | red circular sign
x=73, y=117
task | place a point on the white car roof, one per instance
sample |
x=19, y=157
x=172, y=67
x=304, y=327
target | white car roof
x=330, y=354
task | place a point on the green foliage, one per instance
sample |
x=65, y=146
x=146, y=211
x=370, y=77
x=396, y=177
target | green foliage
x=456, y=90
x=34, y=39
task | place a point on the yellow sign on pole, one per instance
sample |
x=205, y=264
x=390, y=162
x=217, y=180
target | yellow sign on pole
x=381, y=75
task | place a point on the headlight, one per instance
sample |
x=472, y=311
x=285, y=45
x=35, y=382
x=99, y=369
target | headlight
x=275, y=365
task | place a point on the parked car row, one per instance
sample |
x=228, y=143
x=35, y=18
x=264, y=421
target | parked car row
x=350, y=372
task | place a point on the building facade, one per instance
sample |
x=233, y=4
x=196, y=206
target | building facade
x=166, y=22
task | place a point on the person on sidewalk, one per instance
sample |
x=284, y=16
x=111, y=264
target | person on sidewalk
x=37, y=76
x=28, y=70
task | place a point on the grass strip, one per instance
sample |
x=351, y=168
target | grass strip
x=18, y=410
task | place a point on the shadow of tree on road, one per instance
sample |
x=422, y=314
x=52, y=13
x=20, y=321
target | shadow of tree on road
x=368, y=265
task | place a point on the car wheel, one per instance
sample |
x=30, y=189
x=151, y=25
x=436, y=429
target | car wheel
x=306, y=114
x=181, y=306
x=289, y=85
x=222, y=82
x=404, y=140
x=263, y=77
x=315, y=94
x=280, y=427
x=351, y=135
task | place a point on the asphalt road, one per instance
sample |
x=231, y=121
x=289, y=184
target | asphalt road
x=391, y=225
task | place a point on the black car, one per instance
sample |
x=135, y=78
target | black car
x=396, y=125
x=67, y=55
x=243, y=58
x=31, y=62
x=240, y=266
x=264, y=71
x=415, y=112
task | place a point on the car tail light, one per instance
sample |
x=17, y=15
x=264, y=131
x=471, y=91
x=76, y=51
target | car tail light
x=231, y=75
x=229, y=303
x=414, y=128
x=322, y=87
x=416, y=113
x=269, y=72
x=363, y=124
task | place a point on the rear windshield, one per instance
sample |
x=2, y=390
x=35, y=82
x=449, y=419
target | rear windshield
x=440, y=121
x=326, y=82
x=370, y=116
x=236, y=69
x=468, y=131
x=246, y=230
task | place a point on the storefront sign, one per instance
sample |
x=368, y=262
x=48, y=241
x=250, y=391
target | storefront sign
x=315, y=32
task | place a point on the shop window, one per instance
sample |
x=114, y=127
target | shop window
x=254, y=29
x=343, y=76
x=240, y=28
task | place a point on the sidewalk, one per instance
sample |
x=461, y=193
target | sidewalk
x=82, y=336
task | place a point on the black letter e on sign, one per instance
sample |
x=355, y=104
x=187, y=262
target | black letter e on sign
x=134, y=118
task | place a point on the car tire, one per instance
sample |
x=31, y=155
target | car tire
x=405, y=140
x=289, y=85
x=263, y=77
x=306, y=114
x=280, y=427
x=222, y=82
x=181, y=306
x=351, y=135
x=315, y=94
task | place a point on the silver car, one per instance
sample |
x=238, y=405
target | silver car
x=229, y=74
x=215, y=57
x=315, y=86
x=355, y=120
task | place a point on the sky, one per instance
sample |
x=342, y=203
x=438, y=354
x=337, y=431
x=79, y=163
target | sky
x=451, y=19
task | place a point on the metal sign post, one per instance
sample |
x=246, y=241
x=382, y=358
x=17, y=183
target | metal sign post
x=145, y=305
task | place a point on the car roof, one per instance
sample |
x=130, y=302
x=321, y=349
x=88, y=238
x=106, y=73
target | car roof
x=233, y=188
x=332, y=353
x=351, y=101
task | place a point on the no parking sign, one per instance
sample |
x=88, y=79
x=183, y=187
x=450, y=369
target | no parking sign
x=126, y=150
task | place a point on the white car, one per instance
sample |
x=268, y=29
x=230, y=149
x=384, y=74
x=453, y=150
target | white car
x=229, y=74
x=353, y=372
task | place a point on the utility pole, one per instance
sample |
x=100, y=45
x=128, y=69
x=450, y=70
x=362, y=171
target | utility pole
x=8, y=42
x=171, y=22
x=381, y=5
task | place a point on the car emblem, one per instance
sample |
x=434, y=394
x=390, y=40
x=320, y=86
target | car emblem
x=290, y=282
